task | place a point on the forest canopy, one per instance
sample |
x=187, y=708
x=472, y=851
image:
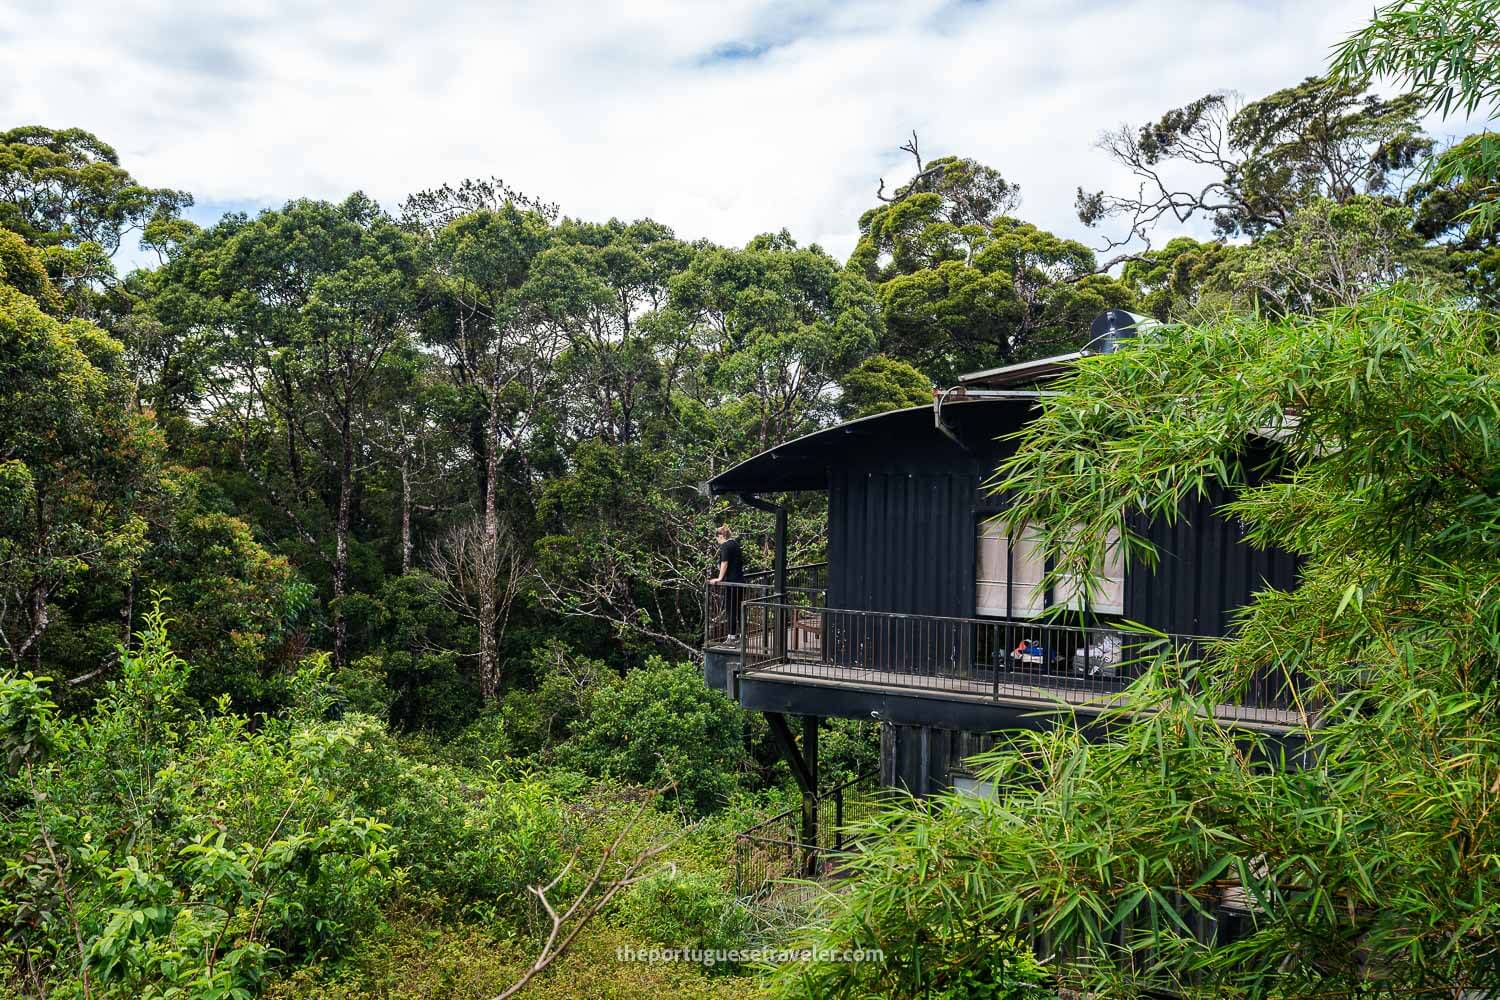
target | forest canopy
x=352, y=565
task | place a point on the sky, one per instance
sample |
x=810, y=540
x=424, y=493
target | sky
x=722, y=119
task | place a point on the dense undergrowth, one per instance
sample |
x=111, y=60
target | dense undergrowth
x=154, y=849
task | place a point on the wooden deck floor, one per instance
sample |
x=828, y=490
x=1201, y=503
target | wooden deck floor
x=1013, y=689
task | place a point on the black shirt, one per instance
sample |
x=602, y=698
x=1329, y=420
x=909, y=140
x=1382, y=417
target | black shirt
x=729, y=552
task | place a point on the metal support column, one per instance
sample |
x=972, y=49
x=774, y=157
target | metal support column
x=804, y=765
x=810, y=802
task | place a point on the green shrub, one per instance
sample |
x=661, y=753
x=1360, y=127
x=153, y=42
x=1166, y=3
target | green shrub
x=539, y=719
x=362, y=688
x=684, y=909
x=156, y=854
x=661, y=724
x=477, y=844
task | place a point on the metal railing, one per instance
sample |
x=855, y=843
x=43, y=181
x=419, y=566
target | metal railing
x=1084, y=665
x=722, y=609
x=773, y=851
x=723, y=601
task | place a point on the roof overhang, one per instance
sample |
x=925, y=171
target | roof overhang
x=1022, y=373
x=802, y=464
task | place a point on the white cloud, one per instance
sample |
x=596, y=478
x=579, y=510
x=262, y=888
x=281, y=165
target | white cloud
x=720, y=119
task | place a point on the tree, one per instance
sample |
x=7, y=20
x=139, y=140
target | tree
x=1448, y=53
x=1449, y=206
x=22, y=268
x=1020, y=292
x=932, y=217
x=73, y=461
x=605, y=286
x=1331, y=253
x=312, y=297
x=1250, y=169
x=64, y=192
x=964, y=285
x=356, y=314
x=623, y=545
x=483, y=576
x=882, y=383
x=783, y=321
x=499, y=345
x=66, y=188
x=1181, y=279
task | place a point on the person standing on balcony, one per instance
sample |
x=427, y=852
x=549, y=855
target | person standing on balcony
x=731, y=571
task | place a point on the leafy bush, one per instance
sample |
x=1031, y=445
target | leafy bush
x=156, y=853
x=476, y=845
x=661, y=724
x=537, y=720
x=682, y=909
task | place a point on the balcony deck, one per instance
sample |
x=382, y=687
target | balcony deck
x=1008, y=691
x=794, y=655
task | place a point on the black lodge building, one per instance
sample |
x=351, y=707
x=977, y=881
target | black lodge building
x=929, y=618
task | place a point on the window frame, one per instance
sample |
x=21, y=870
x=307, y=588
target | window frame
x=989, y=526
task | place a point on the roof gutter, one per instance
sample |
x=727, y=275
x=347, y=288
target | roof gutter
x=961, y=393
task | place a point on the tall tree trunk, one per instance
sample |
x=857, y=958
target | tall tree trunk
x=405, y=514
x=489, y=653
x=127, y=613
x=341, y=542
x=293, y=459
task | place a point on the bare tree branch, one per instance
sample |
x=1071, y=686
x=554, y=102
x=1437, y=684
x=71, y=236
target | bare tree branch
x=596, y=894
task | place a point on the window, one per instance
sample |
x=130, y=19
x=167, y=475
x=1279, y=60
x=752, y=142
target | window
x=1009, y=575
x=1108, y=597
x=974, y=787
x=1008, y=581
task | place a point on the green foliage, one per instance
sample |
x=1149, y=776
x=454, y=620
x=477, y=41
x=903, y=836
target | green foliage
x=476, y=845
x=661, y=724
x=882, y=383
x=786, y=322
x=65, y=187
x=239, y=609
x=1182, y=280
x=685, y=910
x=1324, y=138
x=538, y=719
x=74, y=461
x=933, y=218
x=960, y=292
x=1448, y=53
x=23, y=268
x=415, y=657
x=25, y=721
x=926, y=894
x=1330, y=253
x=848, y=749
x=198, y=853
x=173, y=879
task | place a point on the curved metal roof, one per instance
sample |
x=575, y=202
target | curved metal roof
x=803, y=463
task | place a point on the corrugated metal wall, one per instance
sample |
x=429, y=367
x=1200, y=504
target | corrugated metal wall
x=903, y=514
x=1204, y=572
x=901, y=541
